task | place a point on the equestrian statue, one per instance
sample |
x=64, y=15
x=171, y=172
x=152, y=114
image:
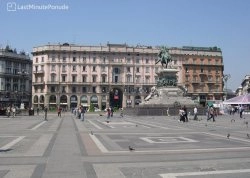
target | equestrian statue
x=164, y=57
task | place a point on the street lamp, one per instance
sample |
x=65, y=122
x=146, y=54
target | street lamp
x=225, y=78
x=22, y=75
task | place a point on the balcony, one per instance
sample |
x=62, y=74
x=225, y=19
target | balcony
x=195, y=81
x=38, y=83
x=202, y=73
x=38, y=72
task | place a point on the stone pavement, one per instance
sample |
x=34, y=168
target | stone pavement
x=159, y=147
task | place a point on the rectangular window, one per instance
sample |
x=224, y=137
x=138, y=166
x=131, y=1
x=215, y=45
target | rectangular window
x=94, y=89
x=53, y=59
x=73, y=89
x=64, y=59
x=73, y=78
x=128, y=78
x=128, y=60
x=147, y=61
x=84, y=78
x=93, y=78
x=53, y=78
x=103, y=79
x=103, y=69
x=147, y=69
x=63, y=89
x=147, y=79
x=94, y=68
x=128, y=69
x=84, y=89
x=94, y=59
x=42, y=59
x=137, y=69
x=63, y=78
x=74, y=69
x=84, y=59
x=83, y=68
x=64, y=68
x=137, y=60
x=74, y=59
x=53, y=68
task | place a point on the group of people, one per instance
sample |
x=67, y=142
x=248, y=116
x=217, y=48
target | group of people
x=11, y=111
x=184, y=114
x=79, y=112
x=110, y=112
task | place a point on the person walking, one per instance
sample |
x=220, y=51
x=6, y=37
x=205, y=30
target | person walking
x=37, y=111
x=185, y=113
x=121, y=110
x=45, y=113
x=211, y=112
x=241, y=109
x=59, y=111
x=82, y=113
x=195, y=113
x=108, y=112
x=13, y=109
x=8, y=111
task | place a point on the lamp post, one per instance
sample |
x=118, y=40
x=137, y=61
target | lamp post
x=22, y=75
x=225, y=78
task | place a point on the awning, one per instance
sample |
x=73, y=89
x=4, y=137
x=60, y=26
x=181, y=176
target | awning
x=242, y=99
x=210, y=103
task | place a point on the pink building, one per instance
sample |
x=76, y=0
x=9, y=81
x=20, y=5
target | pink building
x=115, y=75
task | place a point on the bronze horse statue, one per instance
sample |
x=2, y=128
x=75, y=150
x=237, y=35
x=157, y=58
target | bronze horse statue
x=164, y=57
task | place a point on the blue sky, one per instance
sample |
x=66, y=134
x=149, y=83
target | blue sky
x=175, y=23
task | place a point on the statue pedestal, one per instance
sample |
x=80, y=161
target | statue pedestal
x=167, y=95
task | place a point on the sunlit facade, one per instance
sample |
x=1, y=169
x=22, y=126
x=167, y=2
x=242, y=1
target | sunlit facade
x=115, y=75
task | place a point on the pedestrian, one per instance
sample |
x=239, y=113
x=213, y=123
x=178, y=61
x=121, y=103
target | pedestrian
x=37, y=111
x=59, y=111
x=8, y=111
x=185, y=113
x=45, y=113
x=82, y=113
x=13, y=109
x=108, y=113
x=111, y=111
x=181, y=113
x=211, y=112
x=195, y=113
x=241, y=109
x=121, y=114
x=167, y=111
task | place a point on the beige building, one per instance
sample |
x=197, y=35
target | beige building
x=117, y=74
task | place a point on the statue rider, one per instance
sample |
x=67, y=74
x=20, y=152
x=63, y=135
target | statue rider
x=164, y=56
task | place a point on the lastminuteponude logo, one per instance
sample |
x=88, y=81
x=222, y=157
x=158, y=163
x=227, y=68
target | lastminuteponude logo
x=13, y=6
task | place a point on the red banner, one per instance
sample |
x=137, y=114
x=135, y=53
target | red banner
x=116, y=97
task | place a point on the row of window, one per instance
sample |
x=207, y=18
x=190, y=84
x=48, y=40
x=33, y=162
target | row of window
x=95, y=60
x=94, y=69
x=74, y=78
x=202, y=61
x=217, y=70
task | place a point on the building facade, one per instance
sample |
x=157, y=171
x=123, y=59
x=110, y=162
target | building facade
x=201, y=72
x=115, y=75
x=15, y=78
x=245, y=84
